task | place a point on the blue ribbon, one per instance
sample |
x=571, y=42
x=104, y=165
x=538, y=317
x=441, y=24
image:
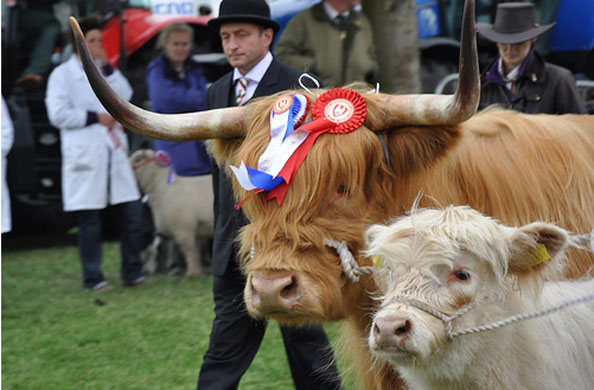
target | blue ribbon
x=262, y=179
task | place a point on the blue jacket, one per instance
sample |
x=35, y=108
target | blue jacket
x=172, y=92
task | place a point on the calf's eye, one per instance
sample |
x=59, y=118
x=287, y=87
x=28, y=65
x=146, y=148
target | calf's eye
x=462, y=274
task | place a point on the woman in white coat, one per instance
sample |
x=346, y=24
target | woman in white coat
x=96, y=171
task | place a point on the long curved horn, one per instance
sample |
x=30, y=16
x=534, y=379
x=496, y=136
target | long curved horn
x=430, y=109
x=221, y=123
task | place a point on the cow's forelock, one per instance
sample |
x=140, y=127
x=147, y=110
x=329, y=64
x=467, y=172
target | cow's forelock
x=337, y=166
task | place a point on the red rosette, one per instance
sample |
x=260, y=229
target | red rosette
x=282, y=104
x=286, y=102
x=345, y=108
x=162, y=158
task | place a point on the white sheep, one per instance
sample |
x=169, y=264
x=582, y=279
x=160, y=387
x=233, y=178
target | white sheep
x=444, y=273
x=182, y=207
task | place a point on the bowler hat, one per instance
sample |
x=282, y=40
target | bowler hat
x=514, y=23
x=249, y=11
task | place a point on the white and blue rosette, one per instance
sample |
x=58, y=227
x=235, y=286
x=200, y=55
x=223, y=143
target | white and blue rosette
x=287, y=114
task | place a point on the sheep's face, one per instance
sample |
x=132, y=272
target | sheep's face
x=141, y=157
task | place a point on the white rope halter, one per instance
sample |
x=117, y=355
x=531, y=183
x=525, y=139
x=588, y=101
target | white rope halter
x=525, y=316
x=581, y=241
x=576, y=241
x=448, y=319
x=353, y=271
x=351, y=268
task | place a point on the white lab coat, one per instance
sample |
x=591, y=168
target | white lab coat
x=95, y=172
x=7, y=140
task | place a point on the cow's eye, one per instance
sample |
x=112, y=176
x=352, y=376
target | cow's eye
x=462, y=274
x=342, y=189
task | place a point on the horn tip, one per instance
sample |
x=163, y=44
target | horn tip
x=73, y=23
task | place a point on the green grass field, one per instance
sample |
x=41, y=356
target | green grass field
x=57, y=336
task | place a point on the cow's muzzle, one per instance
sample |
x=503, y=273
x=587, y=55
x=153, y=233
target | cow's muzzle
x=272, y=292
x=390, y=332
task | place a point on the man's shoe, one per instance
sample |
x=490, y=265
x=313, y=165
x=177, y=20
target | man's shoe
x=100, y=287
x=136, y=282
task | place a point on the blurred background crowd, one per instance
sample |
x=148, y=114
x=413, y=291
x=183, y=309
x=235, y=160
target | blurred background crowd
x=35, y=40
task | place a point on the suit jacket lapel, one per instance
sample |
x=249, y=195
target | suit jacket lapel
x=269, y=82
x=223, y=96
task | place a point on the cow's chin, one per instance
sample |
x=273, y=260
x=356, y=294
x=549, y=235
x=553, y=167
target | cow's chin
x=291, y=298
x=396, y=357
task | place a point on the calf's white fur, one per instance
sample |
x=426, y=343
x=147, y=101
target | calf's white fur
x=182, y=209
x=449, y=258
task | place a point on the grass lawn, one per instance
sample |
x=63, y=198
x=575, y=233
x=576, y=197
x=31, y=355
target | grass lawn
x=57, y=336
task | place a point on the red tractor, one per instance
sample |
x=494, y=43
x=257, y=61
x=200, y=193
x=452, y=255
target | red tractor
x=34, y=163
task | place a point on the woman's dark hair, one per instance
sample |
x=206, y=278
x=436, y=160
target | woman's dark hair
x=86, y=24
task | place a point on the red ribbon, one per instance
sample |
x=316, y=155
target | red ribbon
x=316, y=127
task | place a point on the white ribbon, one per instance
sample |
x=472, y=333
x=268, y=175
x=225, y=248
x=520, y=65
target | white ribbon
x=241, y=174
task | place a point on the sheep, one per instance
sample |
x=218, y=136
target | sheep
x=443, y=273
x=182, y=207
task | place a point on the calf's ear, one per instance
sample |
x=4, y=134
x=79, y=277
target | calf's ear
x=535, y=245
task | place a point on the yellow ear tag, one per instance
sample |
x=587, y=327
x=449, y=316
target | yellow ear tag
x=378, y=261
x=540, y=255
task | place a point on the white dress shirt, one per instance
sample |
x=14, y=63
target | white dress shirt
x=254, y=76
x=332, y=13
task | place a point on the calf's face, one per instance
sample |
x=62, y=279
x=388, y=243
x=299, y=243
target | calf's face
x=442, y=261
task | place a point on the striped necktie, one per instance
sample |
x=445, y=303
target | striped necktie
x=242, y=83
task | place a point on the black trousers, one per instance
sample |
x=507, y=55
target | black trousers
x=235, y=339
x=90, y=243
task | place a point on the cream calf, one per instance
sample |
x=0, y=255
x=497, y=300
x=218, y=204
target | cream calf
x=456, y=262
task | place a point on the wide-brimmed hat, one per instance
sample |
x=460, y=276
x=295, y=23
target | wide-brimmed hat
x=250, y=11
x=514, y=23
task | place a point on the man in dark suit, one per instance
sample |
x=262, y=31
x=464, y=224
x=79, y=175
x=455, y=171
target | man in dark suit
x=247, y=31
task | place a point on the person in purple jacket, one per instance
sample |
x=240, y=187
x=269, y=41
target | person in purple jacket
x=176, y=84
